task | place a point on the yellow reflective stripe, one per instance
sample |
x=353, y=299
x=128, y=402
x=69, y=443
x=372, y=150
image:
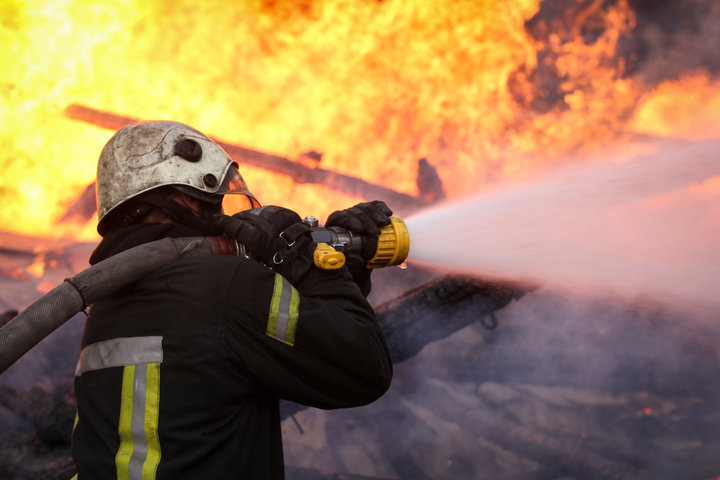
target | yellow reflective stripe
x=122, y=458
x=284, y=308
x=75, y=424
x=274, y=306
x=293, y=316
x=152, y=413
x=138, y=456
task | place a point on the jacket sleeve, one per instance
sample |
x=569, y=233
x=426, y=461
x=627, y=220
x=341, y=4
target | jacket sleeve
x=317, y=343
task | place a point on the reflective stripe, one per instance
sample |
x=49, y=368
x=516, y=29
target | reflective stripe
x=152, y=414
x=139, y=453
x=122, y=458
x=283, y=317
x=119, y=352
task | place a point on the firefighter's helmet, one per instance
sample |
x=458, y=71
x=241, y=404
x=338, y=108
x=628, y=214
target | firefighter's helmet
x=147, y=155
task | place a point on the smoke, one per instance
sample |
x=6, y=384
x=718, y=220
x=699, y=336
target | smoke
x=673, y=37
x=646, y=230
x=664, y=40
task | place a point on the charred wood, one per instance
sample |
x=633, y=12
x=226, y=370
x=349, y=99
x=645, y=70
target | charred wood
x=522, y=363
x=299, y=473
x=41, y=450
x=51, y=418
x=28, y=458
x=428, y=182
x=440, y=308
x=572, y=458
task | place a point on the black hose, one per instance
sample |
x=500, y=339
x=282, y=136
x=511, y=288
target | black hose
x=56, y=307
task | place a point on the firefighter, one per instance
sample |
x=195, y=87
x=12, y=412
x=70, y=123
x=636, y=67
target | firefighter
x=180, y=374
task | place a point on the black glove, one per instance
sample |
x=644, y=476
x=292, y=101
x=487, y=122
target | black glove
x=363, y=219
x=275, y=236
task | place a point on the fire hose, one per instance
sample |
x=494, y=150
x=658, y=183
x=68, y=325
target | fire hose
x=56, y=307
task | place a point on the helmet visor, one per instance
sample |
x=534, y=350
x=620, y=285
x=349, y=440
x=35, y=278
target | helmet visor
x=237, y=197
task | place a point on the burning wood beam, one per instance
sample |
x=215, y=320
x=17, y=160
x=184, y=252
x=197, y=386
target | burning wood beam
x=299, y=173
x=84, y=206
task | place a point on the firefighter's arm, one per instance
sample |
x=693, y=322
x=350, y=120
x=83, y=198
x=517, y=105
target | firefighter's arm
x=317, y=343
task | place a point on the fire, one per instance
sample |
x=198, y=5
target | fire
x=37, y=268
x=686, y=108
x=487, y=91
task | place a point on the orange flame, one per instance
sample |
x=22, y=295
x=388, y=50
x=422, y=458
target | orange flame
x=372, y=85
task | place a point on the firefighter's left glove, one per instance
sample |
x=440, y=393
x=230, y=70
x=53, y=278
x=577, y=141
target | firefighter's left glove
x=274, y=236
x=363, y=219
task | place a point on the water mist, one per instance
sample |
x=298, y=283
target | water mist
x=645, y=229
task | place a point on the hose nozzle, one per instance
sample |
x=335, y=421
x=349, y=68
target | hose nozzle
x=393, y=244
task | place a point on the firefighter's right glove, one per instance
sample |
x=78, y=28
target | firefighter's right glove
x=363, y=219
x=274, y=236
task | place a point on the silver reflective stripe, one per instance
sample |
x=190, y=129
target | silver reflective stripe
x=138, y=423
x=119, y=352
x=283, y=316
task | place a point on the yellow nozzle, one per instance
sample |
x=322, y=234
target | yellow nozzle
x=393, y=244
x=327, y=258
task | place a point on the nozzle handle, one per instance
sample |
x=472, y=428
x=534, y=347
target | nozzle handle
x=327, y=258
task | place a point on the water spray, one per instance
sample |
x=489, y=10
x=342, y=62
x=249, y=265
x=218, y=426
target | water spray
x=647, y=229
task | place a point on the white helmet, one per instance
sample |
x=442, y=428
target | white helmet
x=147, y=155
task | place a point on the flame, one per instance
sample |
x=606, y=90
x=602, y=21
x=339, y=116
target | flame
x=686, y=108
x=37, y=268
x=487, y=91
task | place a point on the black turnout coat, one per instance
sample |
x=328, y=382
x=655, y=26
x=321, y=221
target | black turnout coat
x=180, y=373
